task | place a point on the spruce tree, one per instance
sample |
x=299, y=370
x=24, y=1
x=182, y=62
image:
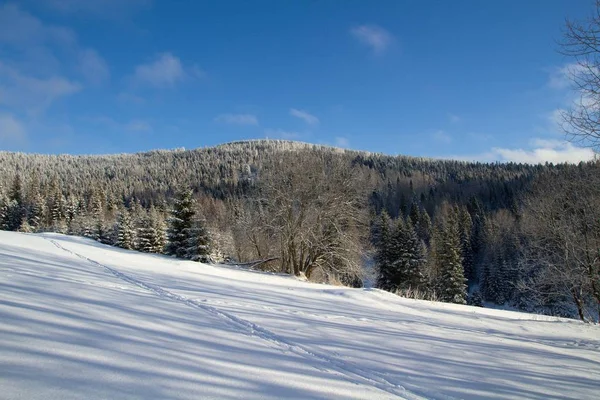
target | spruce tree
x=180, y=224
x=198, y=242
x=383, y=256
x=465, y=225
x=451, y=282
x=150, y=233
x=412, y=259
x=125, y=233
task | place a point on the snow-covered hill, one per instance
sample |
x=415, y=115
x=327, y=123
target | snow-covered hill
x=82, y=320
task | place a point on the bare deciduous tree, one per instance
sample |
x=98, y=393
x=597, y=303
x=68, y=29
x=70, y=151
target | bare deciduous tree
x=563, y=252
x=581, y=42
x=315, y=210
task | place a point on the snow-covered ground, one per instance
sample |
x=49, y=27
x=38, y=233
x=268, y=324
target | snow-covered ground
x=79, y=320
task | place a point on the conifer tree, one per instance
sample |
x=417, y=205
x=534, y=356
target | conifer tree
x=150, y=233
x=465, y=226
x=451, y=282
x=14, y=207
x=412, y=259
x=180, y=224
x=383, y=256
x=125, y=233
x=198, y=242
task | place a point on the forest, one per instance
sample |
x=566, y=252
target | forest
x=486, y=234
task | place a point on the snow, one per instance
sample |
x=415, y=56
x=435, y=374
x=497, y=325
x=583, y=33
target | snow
x=84, y=320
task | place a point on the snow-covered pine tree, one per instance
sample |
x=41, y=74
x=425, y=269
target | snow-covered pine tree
x=14, y=207
x=3, y=210
x=383, y=256
x=465, y=227
x=180, y=224
x=412, y=260
x=151, y=232
x=451, y=282
x=125, y=232
x=199, y=241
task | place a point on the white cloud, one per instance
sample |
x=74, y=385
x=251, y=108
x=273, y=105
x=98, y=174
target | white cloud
x=135, y=125
x=11, y=130
x=342, y=142
x=237, y=119
x=305, y=116
x=93, y=67
x=454, y=118
x=165, y=71
x=138, y=126
x=541, y=151
x=562, y=77
x=556, y=120
x=33, y=94
x=281, y=134
x=373, y=36
x=18, y=27
x=126, y=97
x=441, y=137
x=111, y=9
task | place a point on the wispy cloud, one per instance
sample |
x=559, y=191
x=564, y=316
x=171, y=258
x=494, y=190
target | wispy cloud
x=132, y=126
x=32, y=70
x=30, y=93
x=130, y=98
x=165, y=71
x=373, y=36
x=138, y=126
x=110, y=9
x=341, y=141
x=18, y=27
x=237, y=119
x=562, y=77
x=282, y=134
x=305, y=116
x=11, y=130
x=540, y=151
x=441, y=137
x=453, y=118
x=93, y=67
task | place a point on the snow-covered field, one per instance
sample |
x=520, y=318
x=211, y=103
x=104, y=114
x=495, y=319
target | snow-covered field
x=79, y=320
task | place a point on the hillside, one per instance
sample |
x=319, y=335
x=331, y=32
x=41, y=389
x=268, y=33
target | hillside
x=84, y=320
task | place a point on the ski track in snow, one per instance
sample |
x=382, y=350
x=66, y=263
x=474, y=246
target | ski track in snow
x=349, y=370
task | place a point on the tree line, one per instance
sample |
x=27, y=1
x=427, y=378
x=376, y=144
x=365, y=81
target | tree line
x=451, y=231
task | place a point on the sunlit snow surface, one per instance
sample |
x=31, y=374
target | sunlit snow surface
x=79, y=320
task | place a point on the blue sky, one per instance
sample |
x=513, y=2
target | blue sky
x=470, y=79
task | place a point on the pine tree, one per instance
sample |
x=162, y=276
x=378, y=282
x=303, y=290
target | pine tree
x=14, y=208
x=412, y=259
x=125, y=233
x=465, y=226
x=383, y=256
x=25, y=227
x=150, y=233
x=451, y=282
x=3, y=211
x=180, y=224
x=198, y=242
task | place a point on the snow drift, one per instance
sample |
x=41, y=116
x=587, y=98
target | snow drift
x=83, y=320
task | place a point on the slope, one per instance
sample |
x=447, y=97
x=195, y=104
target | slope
x=81, y=319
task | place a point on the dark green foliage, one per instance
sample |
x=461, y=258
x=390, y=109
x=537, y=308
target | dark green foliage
x=451, y=283
x=198, y=242
x=151, y=233
x=125, y=232
x=180, y=224
x=401, y=256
